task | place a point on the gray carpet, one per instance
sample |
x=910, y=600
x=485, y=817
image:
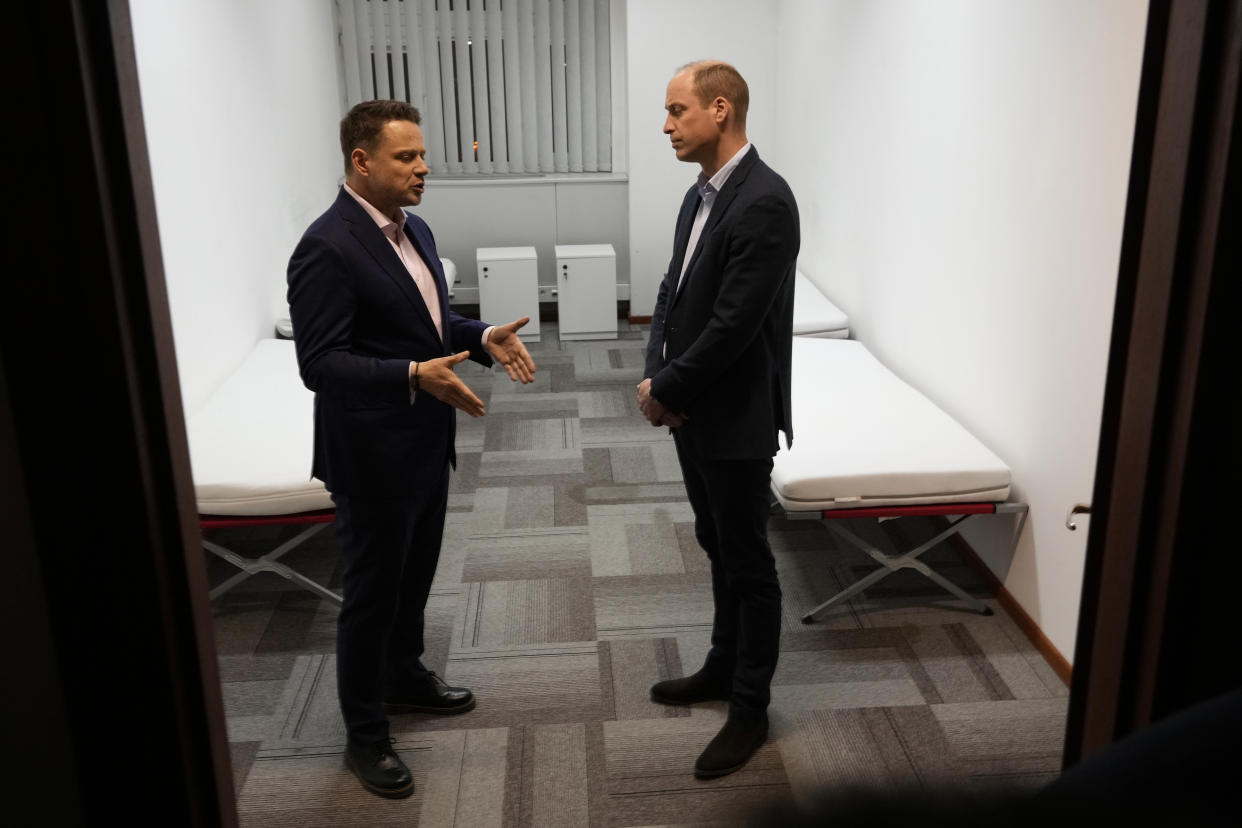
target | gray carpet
x=569, y=582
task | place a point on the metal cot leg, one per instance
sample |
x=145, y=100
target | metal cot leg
x=270, y=563
x=892, y=563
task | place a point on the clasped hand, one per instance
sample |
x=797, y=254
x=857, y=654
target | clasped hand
x=654, y=410
x=437, y=376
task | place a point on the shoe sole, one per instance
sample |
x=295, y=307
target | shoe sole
x=388, y=793
x=438, y=711
x=703, y=773
x=656, y=697
x=700, y=773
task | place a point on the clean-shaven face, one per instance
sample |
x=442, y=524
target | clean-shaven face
x=690, y=126
x=398, y=168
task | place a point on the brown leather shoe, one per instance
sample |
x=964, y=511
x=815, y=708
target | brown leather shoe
x=431, y=696
x=380, y=769
x=694, y=688
x=733, y=746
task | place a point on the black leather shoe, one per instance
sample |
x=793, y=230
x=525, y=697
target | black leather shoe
x=380, y=769
x=694, y=688
x=732, y=747
x=433, y=696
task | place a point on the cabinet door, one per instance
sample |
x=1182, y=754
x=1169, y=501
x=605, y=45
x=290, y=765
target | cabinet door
x=508, y=290
x=587, y=297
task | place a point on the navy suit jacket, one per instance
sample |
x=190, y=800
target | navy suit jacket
x=358, y=321
x=729, y=327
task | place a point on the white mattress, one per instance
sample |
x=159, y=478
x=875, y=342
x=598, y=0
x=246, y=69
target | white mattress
x=813, y=314
x=865, y=438
x=251, y=444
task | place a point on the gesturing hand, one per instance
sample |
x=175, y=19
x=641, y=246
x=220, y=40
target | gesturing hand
x=506, y=347
x=436, y=377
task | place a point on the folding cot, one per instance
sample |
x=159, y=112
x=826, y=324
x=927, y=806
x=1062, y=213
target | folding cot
x=250, y=448
x=870, y=446
x=814, y=314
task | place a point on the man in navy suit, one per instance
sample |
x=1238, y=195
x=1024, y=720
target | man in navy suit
x=717, y=373
x=377, y=342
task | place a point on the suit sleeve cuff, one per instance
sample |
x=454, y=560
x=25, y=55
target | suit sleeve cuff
x=661, y=390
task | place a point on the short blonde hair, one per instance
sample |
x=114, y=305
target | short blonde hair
x=716, y=79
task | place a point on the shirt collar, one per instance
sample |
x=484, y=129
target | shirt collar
x=384, y=222
x=708, y=187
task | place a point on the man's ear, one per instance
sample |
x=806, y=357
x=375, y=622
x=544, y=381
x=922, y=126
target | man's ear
x=721, y=109
x=358, y=160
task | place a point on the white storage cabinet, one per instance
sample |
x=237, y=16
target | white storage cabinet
x=509, y=287
x=586, y=283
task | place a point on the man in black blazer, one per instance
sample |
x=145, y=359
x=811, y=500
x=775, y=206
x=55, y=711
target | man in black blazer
x=717, y=373
x=377, y=342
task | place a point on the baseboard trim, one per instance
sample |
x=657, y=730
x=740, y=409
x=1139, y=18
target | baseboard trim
x=1029, y=628
x=548, y=310
x=639, y=320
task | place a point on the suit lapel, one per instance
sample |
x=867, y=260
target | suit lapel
x=372, y=239
x=685, y=221
x=719, y=207
x=681, y=239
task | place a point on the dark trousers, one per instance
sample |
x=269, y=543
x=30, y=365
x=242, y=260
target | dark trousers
x=730, y=500
x=389, y=550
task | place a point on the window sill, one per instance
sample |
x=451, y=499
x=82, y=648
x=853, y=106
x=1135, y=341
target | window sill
x=449, y=180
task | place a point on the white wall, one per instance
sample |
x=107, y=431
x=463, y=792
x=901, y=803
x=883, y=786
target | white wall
x=241, y=103
x=661, y=37
x=961, y=170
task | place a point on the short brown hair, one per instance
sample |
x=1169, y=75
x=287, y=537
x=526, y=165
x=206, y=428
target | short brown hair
x=361, y=126
x=716, y=79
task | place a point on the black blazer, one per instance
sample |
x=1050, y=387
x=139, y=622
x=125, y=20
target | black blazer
x=729, y=328
x=358, y=320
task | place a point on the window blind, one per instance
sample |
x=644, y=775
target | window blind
x=504, y=86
